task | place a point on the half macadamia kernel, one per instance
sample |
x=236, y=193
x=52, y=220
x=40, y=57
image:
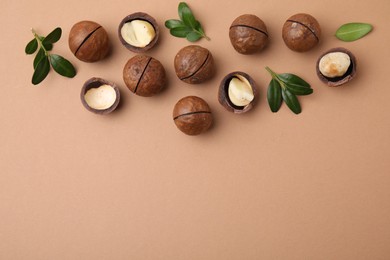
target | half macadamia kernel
x=138, y=32
x=100, y=96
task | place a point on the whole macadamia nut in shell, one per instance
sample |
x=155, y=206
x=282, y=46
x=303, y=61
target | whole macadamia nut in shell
x=194, y=64
x=301, y=32
x=248, y=34
x=88, y=41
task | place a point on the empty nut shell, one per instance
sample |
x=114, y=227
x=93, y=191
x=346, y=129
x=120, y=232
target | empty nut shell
x=142, y=17
x=192, y=115
x=194, y=64
x=248, y=34
x=88, y=41
x=337, y=80
x=100, y=96
x=301, y=32
x=223, y=93
x=144, y=75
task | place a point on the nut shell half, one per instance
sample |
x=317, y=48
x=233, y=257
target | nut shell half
x=192, y=115
x=337, y=81
x=144, y=17
x=95, y=83
x=248, y=34
x=88, y=41
x=194, y=64
x=223, y=91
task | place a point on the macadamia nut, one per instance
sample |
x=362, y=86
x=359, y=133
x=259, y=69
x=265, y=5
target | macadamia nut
x=100, y=98
x=334, y=64
x=240, y=91
x=138, y=33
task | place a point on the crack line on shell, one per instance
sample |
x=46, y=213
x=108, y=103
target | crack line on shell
x=86, y=38
x=247, y=26
x=312, y=31
x=143, y=72
x=187, y=77
x=192, y=113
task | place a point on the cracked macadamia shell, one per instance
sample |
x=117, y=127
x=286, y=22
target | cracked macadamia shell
x=194, y=64
x=100, y=96
x=143, y=17
x=88, y=41
x=192, y=115
x=340, y=80
x=144, y=75
x=223, y=93
x=248, y=34
x=301, y=32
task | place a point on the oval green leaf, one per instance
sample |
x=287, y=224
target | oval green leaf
x=38, y=57
x=41, y=71
x=173, y=23
x=193, y=36
x=353, y=31
x=293, y=79
x=299, y=90
x=180, y=31
x=187, y=16
x=31, y=47
x=53, y=37
x=274, y=95
x=181, y=6
x=62, y=66
x=291, y=101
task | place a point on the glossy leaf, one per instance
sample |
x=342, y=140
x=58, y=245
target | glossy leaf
x=274, y=95
x=173, y=23
x=53, y=37
x=293, y=79
x=180, y=31
x=62, y=66
x=187, y=16
x=38, y=57
x=41, y=71
x=353, y=31
x=180, y=9
x=193, y=36
x=31, y=47
x=291, y=101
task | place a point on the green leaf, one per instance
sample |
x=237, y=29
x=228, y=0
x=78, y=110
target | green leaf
x=62, y=66
x=48, y=46
x=53, y=37
x=180, y=31
x=31, y=47
x=299, y=90
x=293, y=79
x=38, y=57
x=193, y=36
x=353, y=31
x=180, y=9
x=173, y=23
x=41, y=71
x=274, y=95
x=291, y=101
x=187, y=16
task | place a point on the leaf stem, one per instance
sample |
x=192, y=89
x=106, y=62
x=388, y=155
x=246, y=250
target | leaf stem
x=275, y=76
x=36, y=36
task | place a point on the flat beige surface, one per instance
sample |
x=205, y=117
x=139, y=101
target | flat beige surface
x=75, y=185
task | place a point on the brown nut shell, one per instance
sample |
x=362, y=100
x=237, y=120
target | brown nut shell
x=248, y=34
x=301, y=32
x=144, y=17
x=144, y=75
x=192, y=115
x=223, y=96
x=337, y=81
x=88, y=41
x=194, y=64
x=95, y=83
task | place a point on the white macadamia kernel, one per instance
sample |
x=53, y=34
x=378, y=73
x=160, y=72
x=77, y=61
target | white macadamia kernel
x=138, y=33
x=334, y=64
x=100, y=98
x=240, y=91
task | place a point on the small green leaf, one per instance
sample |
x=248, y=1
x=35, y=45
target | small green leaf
x=38, y=57
x=180, y=31
x=353, y=31
x=193, y=36
x=274, y=95
x=299, y=89
x=293, y=79
x=187, y=16
x=181, y=6
x=173, y=23
x=53, y=37
x=41, y=71
x=62, y=66
x=31, y=47
x=291, y=101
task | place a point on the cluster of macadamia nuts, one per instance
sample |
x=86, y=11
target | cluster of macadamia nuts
x=145, y=75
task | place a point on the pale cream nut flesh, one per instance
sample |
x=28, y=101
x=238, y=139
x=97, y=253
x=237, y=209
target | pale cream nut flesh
x=334, y=64
x=138, y=33
x=240, y=91
x=100, y=98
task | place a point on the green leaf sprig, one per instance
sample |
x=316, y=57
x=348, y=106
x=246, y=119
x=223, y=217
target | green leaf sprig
x=286, y=87
x=353, y=31
x=187, y=27
x=44, y=59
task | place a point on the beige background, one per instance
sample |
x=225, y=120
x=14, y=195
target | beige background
x=75, y=185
